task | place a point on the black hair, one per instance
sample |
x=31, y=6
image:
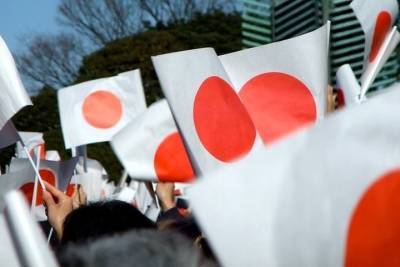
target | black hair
x=142, y=248
x=102, y=219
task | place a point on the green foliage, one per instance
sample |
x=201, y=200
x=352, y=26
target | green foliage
x=218, y=30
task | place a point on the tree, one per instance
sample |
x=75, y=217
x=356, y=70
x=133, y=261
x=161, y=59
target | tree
x=101, y=21
x=52, y=61
x=165, y=12
x=219, y=30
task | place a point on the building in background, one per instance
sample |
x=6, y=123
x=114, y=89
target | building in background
x=266, y=21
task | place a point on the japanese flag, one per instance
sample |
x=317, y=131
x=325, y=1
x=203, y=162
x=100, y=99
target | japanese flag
x=374, y=67
x=206, y=93
x=151, y=148
x=325, y=197
x=283, y=85
x=13, y=96
x=57, y=173
x=31, y=140
x=213, y=121
x=8, y=135
x=376, y=18
x=94, y=111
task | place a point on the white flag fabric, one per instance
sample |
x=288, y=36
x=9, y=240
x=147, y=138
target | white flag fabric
x=203, y=91
x=151, y=148
x=348, y=87
x=325, y=197
x=280, y=93
x=94, y=111
x=52, y=155
x=32, y=140
x=8, y=254
x=13, y=95
x=8, y=135
x=376, y=18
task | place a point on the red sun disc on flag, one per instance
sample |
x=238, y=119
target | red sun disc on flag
x=42, y=151
x=374, y=232
x=382, y=27
x=70, y=190
x=171, y=161
x=222, y=123
x=278, y=104
x=102, y=109
x=27, y=188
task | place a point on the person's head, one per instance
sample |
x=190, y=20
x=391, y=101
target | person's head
x=189, y=229
x=101, y=219
x=143, y=248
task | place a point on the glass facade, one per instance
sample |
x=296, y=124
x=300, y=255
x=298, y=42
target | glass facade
x=266, y=21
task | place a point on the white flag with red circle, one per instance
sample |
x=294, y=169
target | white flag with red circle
x=218, y=102
x=13, y=95
x=151, y=148
x=56, y=173
x=31, y=140
x=376, y=18
x=213, y=121
x=373, y=68
x=94, y=111
x=283, y=85
x=329, y=196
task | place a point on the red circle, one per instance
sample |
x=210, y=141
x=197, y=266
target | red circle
x=222, y=123
x=340, y=98
x=27, y=188
x=102, y=109
x=171, y=161
x=70, y=190
x=382, y=27
x=374, y=231
x=278, y=104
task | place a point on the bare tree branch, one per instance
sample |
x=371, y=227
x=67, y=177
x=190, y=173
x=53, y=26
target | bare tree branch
x=101, y=21
x=173, y=11
x=53, y=61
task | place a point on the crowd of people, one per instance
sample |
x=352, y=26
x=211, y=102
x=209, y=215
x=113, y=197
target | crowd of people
x=115, y=233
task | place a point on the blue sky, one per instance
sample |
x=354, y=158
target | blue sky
x=19, y=17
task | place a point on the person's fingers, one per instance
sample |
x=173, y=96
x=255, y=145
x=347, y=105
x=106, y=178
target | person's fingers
x=75, y=192
x=54, y=191
x=48, y=199
x=82, y=195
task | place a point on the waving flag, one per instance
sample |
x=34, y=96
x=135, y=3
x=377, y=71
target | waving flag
x=220, y=104
x=13, y=96
x=280, y=93
x=325, y=197
x=376, y=18
x=8, y=135
x=31, y=140
x=94, y=111
x=150, y=147
x=374, y=67
x=57, y=173
x=213, y=121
